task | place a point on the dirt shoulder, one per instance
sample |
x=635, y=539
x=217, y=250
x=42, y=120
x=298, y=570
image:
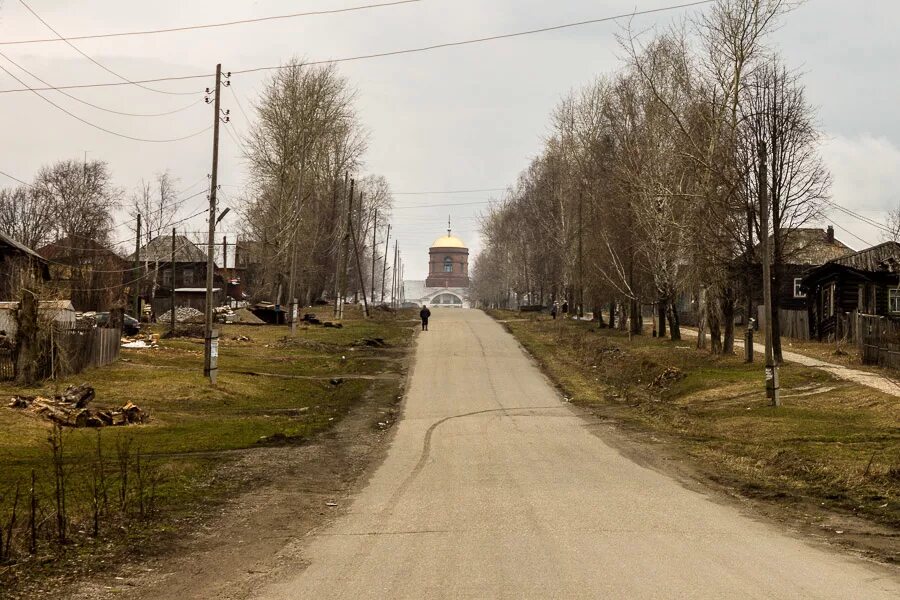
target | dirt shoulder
x=826, y=465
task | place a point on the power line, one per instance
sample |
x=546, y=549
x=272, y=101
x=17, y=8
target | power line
x=94, y=125
x=96, y=62
x=213, y=25
x=388, y=53
x=448, y=192
x=15, y=179
x=441, y=205
x=862, y=218
x=109, y=110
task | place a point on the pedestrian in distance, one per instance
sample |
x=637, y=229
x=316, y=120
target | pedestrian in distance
x=554, y=310
x=565, y=307
x=424, y=314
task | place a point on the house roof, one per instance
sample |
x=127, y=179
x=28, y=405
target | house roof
x=883, y=257
x=73, y=246
x=813, y=246
x=21, y=248
x=160, y=249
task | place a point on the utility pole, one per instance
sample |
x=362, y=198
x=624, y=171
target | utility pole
x=394, y=277
x=374, y=253
x=211, y=341
x=773, y=393
x=337, y=262
x=359, y=273
x=136, y=305
x=345, y=252
x=172, y=304
x=387, y=248
x=580, y=255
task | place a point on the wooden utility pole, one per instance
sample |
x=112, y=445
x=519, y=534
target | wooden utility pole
x=345, y=251
x=211, y=346
x=359, y=273
x=772, y=385
x=580, y=254
x=394, y=276
x=174, y=285
x=337, y=260
x=374, y=248
x=387, y=248
x=136, y=295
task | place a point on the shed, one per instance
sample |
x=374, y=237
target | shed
x=61, y=312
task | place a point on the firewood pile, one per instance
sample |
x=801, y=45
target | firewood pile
x=70, y=409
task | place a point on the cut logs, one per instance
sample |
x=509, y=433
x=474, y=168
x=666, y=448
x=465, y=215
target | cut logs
x=69, y=409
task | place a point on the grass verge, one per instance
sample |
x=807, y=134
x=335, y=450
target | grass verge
x=145, y=484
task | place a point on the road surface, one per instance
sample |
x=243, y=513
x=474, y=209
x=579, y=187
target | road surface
x=493, y=488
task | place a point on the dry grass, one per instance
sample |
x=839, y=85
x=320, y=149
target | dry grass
x=832, y=441
x=193, y=425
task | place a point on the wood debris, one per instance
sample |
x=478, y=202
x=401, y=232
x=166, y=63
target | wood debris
x=70, y=409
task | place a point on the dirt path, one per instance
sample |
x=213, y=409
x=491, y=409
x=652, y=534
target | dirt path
x=872, y=380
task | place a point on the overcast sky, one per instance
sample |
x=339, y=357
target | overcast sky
x=451, y=119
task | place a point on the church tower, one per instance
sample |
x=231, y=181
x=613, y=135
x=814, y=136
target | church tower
x=448, y=262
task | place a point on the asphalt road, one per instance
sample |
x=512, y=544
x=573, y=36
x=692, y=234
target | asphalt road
x=494, y=488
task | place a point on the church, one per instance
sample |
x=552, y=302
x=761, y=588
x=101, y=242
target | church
x=448, y=276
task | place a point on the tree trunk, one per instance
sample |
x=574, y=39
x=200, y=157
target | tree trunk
x=728, y=301
x=635, y=317
x=701, y=320
x=28, y=348
x=674, y=324
x=612, y=314
x=661, y=314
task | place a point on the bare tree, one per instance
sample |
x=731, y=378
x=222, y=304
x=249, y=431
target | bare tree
x=25, y=217
x=82, y=197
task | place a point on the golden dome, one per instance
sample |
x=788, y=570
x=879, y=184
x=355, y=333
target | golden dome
x=448, y=241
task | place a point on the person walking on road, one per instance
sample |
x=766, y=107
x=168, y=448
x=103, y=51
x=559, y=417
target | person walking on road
x=554, y=310
x=424, y=314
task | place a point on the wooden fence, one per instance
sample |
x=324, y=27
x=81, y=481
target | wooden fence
x=879, y=341
x=72, y=349
x=82, y=347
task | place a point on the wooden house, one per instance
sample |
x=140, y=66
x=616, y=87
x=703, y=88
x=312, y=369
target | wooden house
x=19, y=264
x=161, y=276
x=864, y=282
x=86, y=272
x=805, y=249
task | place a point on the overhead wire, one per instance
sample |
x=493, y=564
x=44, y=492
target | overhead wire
x=214, y=25
x=98, y=63
x=448, y=192
x=100, y=127
x=392, y=52
x=96, y=106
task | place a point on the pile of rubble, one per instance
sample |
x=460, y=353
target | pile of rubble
x=183, y=314
x=140, y=342
x=70, y=409
x=224, y=314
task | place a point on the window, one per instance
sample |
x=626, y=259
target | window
x=187, y=277
x=448, y=265
x=798, y=292
x=167, y=277
x=828, y=300
x=894, y=300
